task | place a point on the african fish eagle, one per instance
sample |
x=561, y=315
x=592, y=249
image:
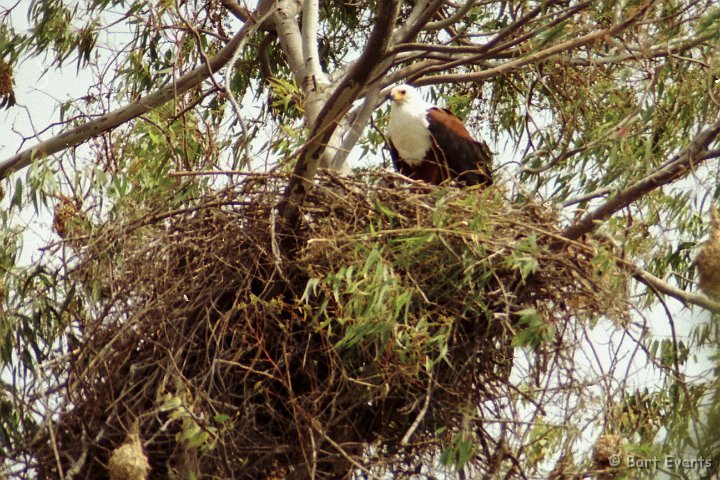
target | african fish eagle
x=431, y=144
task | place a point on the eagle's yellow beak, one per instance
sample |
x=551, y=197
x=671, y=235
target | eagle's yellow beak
x=397, y=95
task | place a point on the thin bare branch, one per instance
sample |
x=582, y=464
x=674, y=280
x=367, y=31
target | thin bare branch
x=663, y=287
x=242, y=14
x=530, y=58
x=231, y=96
x=495, y=68
x=358, y=123
x=421, y=414
x=115, y=118
x=658, y=285
x=600, y=192
x=495, y=47
x=690, y=158
x=451, y=19
x=658, y=51
x=416, y=21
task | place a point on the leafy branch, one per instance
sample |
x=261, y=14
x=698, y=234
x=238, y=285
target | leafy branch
x=115, y=118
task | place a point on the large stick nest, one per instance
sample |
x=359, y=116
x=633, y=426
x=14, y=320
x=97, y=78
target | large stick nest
x=364, y=348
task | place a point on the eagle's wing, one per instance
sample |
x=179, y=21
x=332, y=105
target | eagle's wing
x=468, y=160
x=394, y=155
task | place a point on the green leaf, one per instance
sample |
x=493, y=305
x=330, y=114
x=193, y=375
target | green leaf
x=532, y=330
x=221, y=418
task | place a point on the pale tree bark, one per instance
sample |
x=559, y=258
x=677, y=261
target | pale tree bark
x=372, y=62
x=315, y=82
x=301, y=49
x=662, y=287
x=285, y=23
x=357, y=121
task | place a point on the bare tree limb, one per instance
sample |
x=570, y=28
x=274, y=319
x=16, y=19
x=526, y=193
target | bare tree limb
x=341, y=451
x=494, y=46
x=663, y=287
x=231, y=95
x=288, y=31
x=662, y=50
x=241, y=13
x=331, y=158
x=301, y=50
x=451, y=19
x=530, y=58
x=658, y=285
x=634, y=53
x=490, y=45
x=115, y=118
x=315, y=82
x=372, y=60
x=416, y=21
x=600, y=192
x=495, y=68
x=311, y=54
x=692, y=156
x=421, y=414
x=358, y=123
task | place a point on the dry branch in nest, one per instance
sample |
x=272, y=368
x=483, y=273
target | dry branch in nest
x=362, y=349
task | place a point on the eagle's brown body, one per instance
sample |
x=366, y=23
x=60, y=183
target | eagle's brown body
x=431, y=144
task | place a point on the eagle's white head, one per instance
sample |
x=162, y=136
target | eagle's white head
x=408, y=124
x=407, y=96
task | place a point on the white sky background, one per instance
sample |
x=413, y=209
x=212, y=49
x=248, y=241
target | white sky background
x=39, y=95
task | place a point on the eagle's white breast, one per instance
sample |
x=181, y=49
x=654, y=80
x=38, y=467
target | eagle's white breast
x=408, y=131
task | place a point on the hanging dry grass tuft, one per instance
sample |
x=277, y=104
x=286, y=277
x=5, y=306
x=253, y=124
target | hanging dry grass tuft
x=367, y=348
x=128, y=461
x=7, y=93
x=708, y=260
x=608, y=456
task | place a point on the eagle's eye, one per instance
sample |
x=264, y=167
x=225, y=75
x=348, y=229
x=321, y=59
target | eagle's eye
x=403, y=91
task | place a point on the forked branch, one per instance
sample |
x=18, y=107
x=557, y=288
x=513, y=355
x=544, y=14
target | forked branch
x=371, y=61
